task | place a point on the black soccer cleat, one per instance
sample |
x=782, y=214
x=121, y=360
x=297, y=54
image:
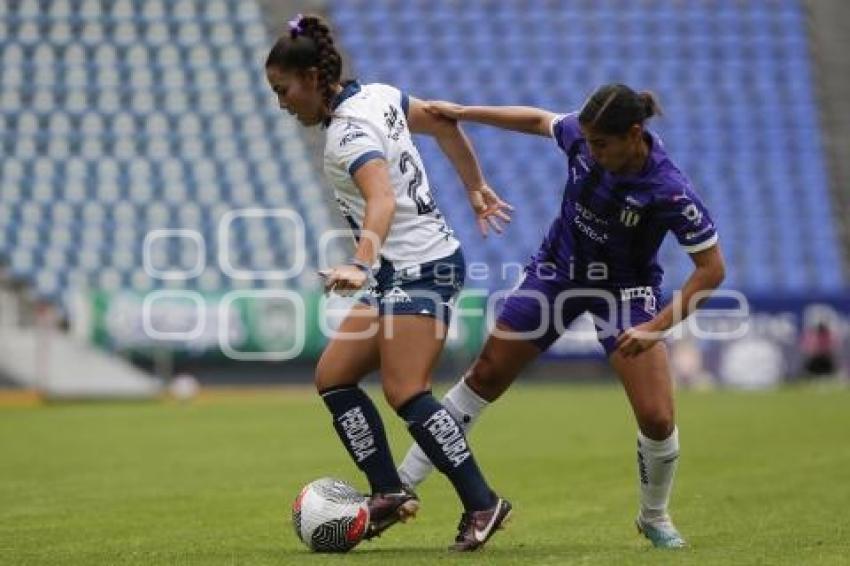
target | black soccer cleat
x=476, y=527
x=387, y=509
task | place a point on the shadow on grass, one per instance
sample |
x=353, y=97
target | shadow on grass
x=526, y=553
x=557, y=552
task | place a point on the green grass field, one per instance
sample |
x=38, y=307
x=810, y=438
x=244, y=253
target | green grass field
x=764, y=479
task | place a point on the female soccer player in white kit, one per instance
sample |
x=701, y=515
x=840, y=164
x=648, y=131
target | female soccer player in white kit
x=405, y=245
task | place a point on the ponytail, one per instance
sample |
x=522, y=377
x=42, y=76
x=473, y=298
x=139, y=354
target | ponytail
x=649, y=103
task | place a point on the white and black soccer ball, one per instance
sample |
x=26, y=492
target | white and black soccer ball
x=329, y=515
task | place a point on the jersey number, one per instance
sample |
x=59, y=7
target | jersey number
x=425, y=203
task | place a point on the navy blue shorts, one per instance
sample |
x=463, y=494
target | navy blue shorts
x=542, y=310
x=428, y=289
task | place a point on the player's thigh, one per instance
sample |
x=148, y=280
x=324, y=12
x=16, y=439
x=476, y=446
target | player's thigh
x=531, y=320
x=353, y=351
x=504, y=355
x=648, y=384
x=409, y=346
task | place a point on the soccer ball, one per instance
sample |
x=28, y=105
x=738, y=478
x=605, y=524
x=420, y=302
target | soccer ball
x=329, y=515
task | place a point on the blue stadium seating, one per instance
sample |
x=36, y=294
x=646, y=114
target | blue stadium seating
x=121, y=116
x=734, y=78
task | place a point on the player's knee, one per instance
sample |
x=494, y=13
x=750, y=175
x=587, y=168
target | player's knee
x=657, y=423
x=393, y=397
x=320, y=379
x=397, y=394
x=324, y=377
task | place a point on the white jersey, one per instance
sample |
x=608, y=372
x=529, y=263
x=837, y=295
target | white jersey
x=369, y=122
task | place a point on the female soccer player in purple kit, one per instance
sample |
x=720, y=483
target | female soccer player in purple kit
x=623, y=194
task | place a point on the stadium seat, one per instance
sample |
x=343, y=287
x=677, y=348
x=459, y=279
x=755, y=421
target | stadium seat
x=119, y=117
x=721, y=70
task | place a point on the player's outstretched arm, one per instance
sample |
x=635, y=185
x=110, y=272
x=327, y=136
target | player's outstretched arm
x=489, y=208
x=525, y=119
x=709, y=272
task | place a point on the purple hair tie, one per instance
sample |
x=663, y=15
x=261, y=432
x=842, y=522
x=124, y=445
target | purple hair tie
x=295, y=26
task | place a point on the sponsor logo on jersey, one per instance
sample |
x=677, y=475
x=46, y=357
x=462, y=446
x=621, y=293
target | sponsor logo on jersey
x=598, y=237
x=395, y=295
x=352, y=132
x=350, y=137
x=583, y=163
x=635, y=293
x=649, y=302
x=588, y=214
x=394, y=122
x=692, y=213
x=692, y=235
x=579, y=176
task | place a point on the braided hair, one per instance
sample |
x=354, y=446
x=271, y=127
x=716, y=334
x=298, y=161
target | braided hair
x=309, y=43
x=613, y=108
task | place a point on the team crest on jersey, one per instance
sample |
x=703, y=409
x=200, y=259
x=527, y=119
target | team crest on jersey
x=394, y=123
x=629, y=217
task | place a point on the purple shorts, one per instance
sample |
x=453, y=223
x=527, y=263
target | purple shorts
x=541, y=310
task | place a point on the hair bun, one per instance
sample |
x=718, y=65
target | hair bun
x=650, y=104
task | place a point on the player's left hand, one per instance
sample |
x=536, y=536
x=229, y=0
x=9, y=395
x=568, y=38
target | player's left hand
x=489, y=209
x=344, y=279
x=636, y=340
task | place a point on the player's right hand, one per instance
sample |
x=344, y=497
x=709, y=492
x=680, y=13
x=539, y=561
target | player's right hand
x=444, y=109
x=344, y=279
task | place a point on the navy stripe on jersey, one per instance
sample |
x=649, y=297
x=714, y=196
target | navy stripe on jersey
x=355, y=229
x=405, y=103
x=361, y=161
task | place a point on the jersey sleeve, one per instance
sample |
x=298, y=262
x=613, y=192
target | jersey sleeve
x=683, y=213
x=565, y=130
x=356, y=142
x=394, y=96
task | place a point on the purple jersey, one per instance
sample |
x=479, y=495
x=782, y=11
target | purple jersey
x=610, y=227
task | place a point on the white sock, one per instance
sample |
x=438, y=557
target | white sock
x=464, y=405
x=657, y=460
